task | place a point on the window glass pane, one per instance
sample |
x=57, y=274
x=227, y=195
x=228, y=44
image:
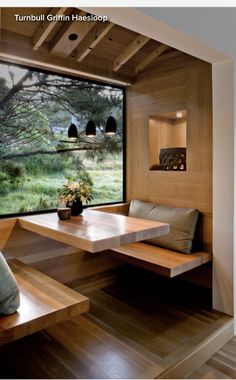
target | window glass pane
x=36, y=154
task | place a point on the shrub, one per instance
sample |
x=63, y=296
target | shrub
x=41, y=165
x=12, y=172
x=44, y=202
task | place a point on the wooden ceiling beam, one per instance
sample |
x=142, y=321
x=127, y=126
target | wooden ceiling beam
x=146, y=61
x=92, y=39
x=63, y=46
x=128, y=53
x=18, y=49
x=62, y=31
x=46, y=27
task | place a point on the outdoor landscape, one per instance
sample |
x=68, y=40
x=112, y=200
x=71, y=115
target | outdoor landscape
x=36, y=155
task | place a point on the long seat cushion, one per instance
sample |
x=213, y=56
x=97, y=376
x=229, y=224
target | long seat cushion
x=182, y=223
x=9, y=291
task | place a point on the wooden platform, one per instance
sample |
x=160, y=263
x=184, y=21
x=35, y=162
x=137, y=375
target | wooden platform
x=221, y=365
x=159, y=260
x=143, y=326
x=44, y=302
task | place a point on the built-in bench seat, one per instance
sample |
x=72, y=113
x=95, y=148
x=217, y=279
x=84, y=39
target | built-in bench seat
x=44, y=302
x=159, y=260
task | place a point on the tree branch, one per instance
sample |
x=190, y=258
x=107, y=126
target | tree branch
x=49, y=152
x=18, y=86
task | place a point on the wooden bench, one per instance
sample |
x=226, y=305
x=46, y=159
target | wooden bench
x=156, y=259
x=44, y=302
x=159, y=260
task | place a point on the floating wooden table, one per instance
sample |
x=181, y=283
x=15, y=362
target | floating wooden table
x=94, y=231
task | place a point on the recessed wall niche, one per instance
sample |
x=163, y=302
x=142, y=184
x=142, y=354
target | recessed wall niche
x=168, y=141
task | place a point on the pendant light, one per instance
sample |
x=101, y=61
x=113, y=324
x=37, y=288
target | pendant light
x=90, y=129
x=110, y=128
x=72, y=131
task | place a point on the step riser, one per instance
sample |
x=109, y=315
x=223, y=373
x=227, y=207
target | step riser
x=200, y=354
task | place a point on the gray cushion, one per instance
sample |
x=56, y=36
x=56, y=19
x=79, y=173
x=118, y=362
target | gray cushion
x=182, y=223
x=9, y=292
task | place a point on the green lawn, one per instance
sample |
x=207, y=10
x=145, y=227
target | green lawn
x=39, y=193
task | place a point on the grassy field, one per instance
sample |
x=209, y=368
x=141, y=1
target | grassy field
x=40, y=192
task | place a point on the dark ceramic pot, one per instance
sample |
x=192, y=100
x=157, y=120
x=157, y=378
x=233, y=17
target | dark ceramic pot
x=64, y=213
x=76, y=208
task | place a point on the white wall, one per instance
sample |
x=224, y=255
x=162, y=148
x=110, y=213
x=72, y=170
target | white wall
x=208, y=34
x=223, y=184
x=212, y=26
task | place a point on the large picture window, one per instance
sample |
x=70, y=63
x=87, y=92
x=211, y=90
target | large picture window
x=37, y=156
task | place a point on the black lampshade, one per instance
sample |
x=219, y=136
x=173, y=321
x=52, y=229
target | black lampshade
x=110, y=128
x=72, y=131
x=90, y=129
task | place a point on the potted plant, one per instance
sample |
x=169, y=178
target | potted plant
x=74, y=192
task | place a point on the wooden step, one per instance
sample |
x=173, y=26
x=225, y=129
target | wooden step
x=44, y=302
x=194, y=353
x=222, y=365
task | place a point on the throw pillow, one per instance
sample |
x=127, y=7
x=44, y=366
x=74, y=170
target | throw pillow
x=9, y=292
x=182, y=223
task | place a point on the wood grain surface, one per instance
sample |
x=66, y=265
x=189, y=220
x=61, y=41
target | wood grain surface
x=6, y=228
x=140, y=327
x=180, y=84
x=160, y=260
x=94, y=231
x=222, y=365
x=60, y=261
x=44, y=302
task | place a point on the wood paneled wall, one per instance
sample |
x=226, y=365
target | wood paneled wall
x=6, y=227
x=184, y=83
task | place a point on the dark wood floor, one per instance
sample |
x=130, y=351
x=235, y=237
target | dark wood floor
x=222, y=365
x=136, y=328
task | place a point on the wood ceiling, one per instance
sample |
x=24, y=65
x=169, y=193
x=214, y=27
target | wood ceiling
x=102, y=50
